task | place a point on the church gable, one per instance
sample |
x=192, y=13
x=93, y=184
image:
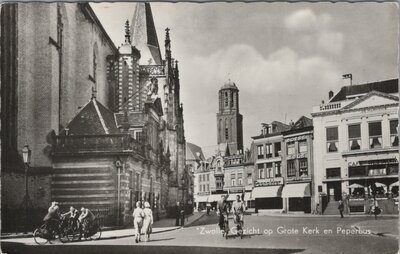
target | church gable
x=373, y=99
x=93, y=119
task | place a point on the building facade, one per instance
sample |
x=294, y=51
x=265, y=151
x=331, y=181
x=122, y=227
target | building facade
x=239, y=177
x=356, y=146
x=269, y=182
x=297, y=164
x=44, y=92
x=53, y=57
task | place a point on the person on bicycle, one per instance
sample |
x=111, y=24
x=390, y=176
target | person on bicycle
x=238, y=207
x=52, y=217
x=222, y=210
x=85, y=221
x=73, y=216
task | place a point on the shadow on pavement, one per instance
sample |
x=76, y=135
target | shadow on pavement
x=15, y=248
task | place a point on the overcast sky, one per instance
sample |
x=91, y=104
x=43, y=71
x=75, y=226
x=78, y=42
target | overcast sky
x=283, y=57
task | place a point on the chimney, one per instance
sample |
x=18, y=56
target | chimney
x=347, y=79
x=330, y=94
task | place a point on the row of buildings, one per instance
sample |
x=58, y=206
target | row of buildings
x=347, y=150
x=103, y=124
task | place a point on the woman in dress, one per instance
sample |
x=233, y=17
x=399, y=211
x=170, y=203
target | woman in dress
x=148, y=221
x=138, y=216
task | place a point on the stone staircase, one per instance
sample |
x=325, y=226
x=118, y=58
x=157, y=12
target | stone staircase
x=332, y=208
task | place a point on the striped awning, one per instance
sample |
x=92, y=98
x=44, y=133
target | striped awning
x=200, y=199
x=267, y=192
x=232, y=197
x=214, y=198
x=296, y=190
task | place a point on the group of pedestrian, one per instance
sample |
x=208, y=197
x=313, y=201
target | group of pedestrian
x=374, y=208
x=142, y=221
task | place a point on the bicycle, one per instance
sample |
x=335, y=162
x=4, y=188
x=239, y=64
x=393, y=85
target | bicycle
x=225, y=231
x=239, y=226
x=372, y=211
x=92, y=231
x=43, y=234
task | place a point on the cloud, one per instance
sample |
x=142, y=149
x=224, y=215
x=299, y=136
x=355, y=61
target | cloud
x=272, y=84
x=306, y=19
x=330, y=41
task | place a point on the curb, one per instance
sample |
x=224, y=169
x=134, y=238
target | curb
x=320, y=216
x=190, y=223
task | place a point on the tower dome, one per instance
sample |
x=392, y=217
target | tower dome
x=229, y=85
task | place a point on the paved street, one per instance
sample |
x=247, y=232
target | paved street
x=264, y=234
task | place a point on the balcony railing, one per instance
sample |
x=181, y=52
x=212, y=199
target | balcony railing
x=97, y=143
x=330, y=106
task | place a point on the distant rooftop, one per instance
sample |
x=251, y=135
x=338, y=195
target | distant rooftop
x=385, y=86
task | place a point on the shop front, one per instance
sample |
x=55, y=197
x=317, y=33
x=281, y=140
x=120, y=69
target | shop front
x=201, y=202
x=371, y=180
x=297, y=197
x=267, y=194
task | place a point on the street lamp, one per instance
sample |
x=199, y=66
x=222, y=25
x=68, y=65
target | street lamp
x=26, y=156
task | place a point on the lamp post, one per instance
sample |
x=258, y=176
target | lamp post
x=26, y=155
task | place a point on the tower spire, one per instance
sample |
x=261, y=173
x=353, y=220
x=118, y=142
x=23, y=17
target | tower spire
x=167, y=44
x=127, y=33
x=143, y=34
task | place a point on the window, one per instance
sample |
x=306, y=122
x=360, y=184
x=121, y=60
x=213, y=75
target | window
x=94, y=64
x=291, y=168
x=260, y=151
x=249, y=179
x=277, y=149
x=208, y=178
x=268, y=150
x=226, y=133
x=303, y=167
x=303, y=146
x=239, y=179
x=357, y=171
x=208, y=187
x=138, y=183
x=290, y=148
x=233, y=179
x=139, y=136
x=226, y=99
x=394, y=138
x=375, y=135
x=355, y=137
x=332, y=139
x=333, y=173
x=278, y=172
x=378, y=171
x=269, y=170
x=261, y=171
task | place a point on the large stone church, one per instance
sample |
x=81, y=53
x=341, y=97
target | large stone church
x=104, y=124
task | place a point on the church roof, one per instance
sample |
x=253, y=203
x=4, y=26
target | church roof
x=385, y=86
x=229, y=85
x=93, y=119
x=144, y=35
x=194, y=152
